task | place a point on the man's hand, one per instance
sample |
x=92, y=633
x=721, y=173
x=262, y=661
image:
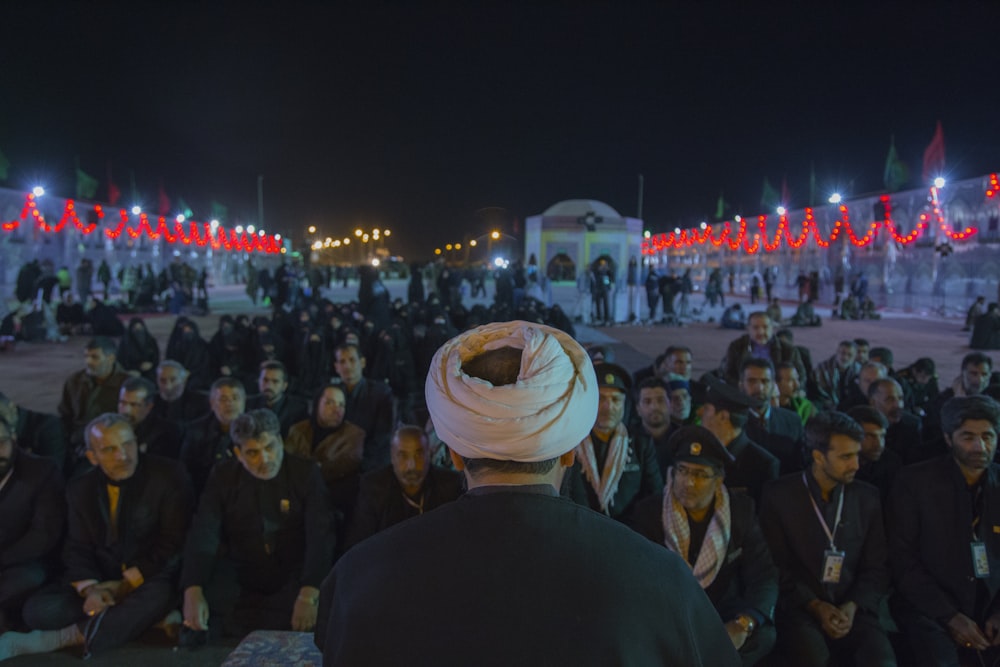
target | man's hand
x=849, y=609
x=304, y=611
x=965, y=632
x=992, y=629
x=736, y=634
x=195, y=608
x=96, y=599
x=835, y=623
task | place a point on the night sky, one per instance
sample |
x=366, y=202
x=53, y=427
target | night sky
x=413, y=115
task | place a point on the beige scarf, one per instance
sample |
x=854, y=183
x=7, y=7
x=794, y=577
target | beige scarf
x=677, y=533
x=605, y=483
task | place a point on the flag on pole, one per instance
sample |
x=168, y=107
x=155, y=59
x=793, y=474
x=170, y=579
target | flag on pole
x=934, y=155
x=219, y=211
x=114, y=192
x=183, y=208
x=769, y=196
x=896, y=173
x=86, y=185
x=163, y=201
x=4, y=166
x=720, y=208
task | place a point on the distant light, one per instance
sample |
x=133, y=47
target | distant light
x=329, y=240
x=782, y=210
x=375, y=262
x=260, y=232
x=214, y=223
x=277, y=237
x=136, y=210
x=495, y=235
x=347, y=241
x=677, y=230
x=437, y=251
x=358, y=232
x=386, y=232
x=939, y=182
x=447, y=246
x=284, y=250
x=317, y=245
x=472, y=243
x=251, y=229
x=738, y=218
x=364, y=238
x=312, y=229
x=239, y=229
x=458, y=246
x=835, y=198
x=704, y=225
x=180, y=217
x=38, y=191
x=499, y=262
x=646, y=234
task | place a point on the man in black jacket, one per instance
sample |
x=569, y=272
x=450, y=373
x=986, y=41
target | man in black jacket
x=207, y=440
x=32, y=519
x=154, y=434
x=175, y=401
x=127, y=519
x=776, y=429
x=273, y=386
x=369, y=405
x=904, y=433
x=944, y=537
x=269, y=514
x=717, y=534
x=38, y=433
x=826, y=535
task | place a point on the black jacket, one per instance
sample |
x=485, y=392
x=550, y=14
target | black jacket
x=369, y=407
x=752, y=467
x=32, y=511
x=159, y=436
x=205, y=444
x=289, y=410
x=784, y=436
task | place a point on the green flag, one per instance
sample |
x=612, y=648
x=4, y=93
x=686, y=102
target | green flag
x=769, y=197
x=4, y=166
x=812, y=183
x=86, y=185
x=896, y=172
x=183, y=208
x=720, y=208
x=219, y=211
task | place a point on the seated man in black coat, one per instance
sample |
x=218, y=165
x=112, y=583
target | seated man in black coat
x=36, y=432
x=407, y=488
x=369, y=405
x=154, y=434
x=127, y=519
x=904, y=435
x=826, y=535
x=878, y=465
x=652, y=405
x=32, y=518
x=269, y=513
x=207, y=440
x=776, y=429
x=717, y=534
x=174, y=400
x=513, y=417
x=273, y=386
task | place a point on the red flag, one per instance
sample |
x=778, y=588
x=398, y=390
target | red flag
x=164, y=208
x=114, y=192
x=934, y=155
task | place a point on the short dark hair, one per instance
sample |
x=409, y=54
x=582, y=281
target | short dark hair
x=314, y=405
x=825, y=425
x=866, y=414
x=254, y=424
x=876, y=386
x=924, y=365
x=140, y=384
x=959, y=409
x=102, y=343
x=859, y=342
x=230, y=382
x=847, y=343
x=976, y=359
x=754, y=362
x=883, y=354
x=784, y=366
x=343, y=347
x=651, y=383
x=677, y=348
x=758, y=313
x=274, y=365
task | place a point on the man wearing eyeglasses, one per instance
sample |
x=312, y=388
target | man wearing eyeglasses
x=717, y=535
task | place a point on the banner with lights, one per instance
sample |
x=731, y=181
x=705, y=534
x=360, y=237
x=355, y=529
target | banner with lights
x=741, y=238
x=198, y=234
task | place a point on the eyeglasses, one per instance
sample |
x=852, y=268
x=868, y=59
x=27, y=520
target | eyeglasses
x=692, y=473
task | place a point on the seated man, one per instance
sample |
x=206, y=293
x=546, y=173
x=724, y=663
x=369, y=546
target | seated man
x=32, y=519
x=826, y=536
x=904, y=433
x=273, y=386
x=776, y=429
x=790, y=394
x=269, y=515
x=154, y=435
x=38, y=433
x=513, y=416
x=207, y=440
x=680, y=401
x=655, y=426
x=733, y=317
x=878, y=465
x=836, y=374
x=127, y=521
x=369, y=405
x=758, y=343
x=943, y=517
x=407, y=488
x=805, y=316
x=175, y=402
x=717, y=534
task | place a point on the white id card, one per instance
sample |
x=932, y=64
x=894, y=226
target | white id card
x=833, y=562
x=980, y=561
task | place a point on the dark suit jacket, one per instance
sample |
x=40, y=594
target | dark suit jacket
x=369, y=407
x=154, y=509
x=42, y=434
x=929, y=519
x=159, y=436
x=798, y=542
x=784, y=437
x=906, y=439
x=753, y=466
x=204, y=445
x=32, y=511
x=189, y=407
x=381, y=503
x=289, y=410
x=739, y=350
x=748, y=580
x=544, y=581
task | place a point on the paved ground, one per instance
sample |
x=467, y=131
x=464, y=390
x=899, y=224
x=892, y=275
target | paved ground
x=33, y=375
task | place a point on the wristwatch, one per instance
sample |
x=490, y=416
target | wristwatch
x=747, y=623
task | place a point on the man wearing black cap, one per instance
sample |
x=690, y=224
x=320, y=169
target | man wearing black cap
x=612, y=471
x=724, y=413
x=826, y=536
x=717, y=534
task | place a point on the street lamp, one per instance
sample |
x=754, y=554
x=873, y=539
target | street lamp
x=835, y=198
x=312, y=229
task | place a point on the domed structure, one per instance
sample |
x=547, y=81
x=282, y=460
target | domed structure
x=578, y=208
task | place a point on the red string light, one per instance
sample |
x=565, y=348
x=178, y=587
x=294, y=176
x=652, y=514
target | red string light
x=993, y=188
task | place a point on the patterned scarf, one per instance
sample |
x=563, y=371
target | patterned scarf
x=677, y=532
x=605, y=483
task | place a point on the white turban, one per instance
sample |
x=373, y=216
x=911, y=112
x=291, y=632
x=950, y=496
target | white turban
x=546, y=413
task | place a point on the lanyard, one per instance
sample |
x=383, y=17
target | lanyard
x=819, y=515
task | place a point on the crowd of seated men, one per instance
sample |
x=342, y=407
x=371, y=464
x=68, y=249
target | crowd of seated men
x=842, y=510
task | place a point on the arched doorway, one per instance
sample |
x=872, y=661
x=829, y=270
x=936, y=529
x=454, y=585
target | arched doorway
x=561, y=267
x=605, y=263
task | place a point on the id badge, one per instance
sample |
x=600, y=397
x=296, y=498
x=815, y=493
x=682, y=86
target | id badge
x=980, y=561
x=833, y=562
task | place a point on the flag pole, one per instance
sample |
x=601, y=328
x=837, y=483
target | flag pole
x=639, y=213
x=260, y=201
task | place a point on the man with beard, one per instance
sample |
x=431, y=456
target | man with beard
x=369, y=405
x=407, y=488
x=32, y=518
x=653, y=408
x=613, y=471
x=790, y=395
x=972, y=381
x=717, y=534
x=943, y=519
x=127, y=519
x=903, y=435
x=826, y=535
x=273, y=386
x=90, y=392
x=154, y=434
x=680, y=401
x=269, y=515
x=836, y=374
x=857, y=391
x=758, y=343
x=878, y=465
x=173, y=401
x=776, y=429
x=207, y=440
x=38, y=433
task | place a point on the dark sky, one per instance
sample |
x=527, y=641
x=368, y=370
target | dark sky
x=414, y=115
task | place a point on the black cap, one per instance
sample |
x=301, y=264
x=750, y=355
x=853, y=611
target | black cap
x=727, y=397
x=613, y=375
x=696, y=444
